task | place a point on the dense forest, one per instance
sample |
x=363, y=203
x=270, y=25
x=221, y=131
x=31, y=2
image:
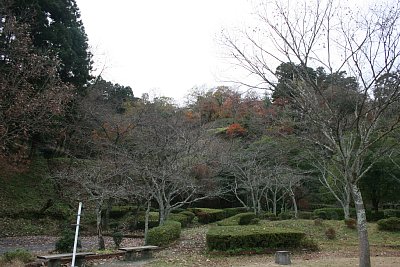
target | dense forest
x=314, y=138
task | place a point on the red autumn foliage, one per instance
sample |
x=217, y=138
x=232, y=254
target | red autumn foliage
x=236, y=130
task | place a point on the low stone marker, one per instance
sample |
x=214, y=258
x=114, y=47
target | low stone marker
x=282, y=257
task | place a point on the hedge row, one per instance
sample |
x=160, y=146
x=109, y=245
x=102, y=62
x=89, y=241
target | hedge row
x=238, y=219
x=390, y=224
x=206, y=215
x=338, y=214
x=225, y=238
x=332, y=213
x=164, y=234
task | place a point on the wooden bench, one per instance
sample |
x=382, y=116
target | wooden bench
x=54, y=260
x=138, y=253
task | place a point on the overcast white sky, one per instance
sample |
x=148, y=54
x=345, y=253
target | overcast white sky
x=159, y=45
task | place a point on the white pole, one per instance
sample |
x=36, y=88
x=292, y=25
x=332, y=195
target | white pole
x=78, y=220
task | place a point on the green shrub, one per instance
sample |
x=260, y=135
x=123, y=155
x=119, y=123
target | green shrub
x=268, y=216
x=246, y=218
x=237, y=219
x=307, y=215
x=141, y=219
x=178, y=210
x=164, y=234
x=66, y=241
x=180, y=217
x=118, y=212
x=373, y=216
x=205, y=215
x=390, y=224
x=391, y=213
x=189, y=214
x=117, y=238
x=309, y=244
x=286, y=215
x=59, y=211
x=351, y=223
x=332, y=213
x=330, y=233
x=229, y=212
x=254, y=221
x=225, y=238
x=19, y=255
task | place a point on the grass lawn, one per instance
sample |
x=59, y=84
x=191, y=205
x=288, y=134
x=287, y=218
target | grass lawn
x=190, y=249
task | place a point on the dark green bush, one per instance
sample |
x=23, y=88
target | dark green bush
x=180, y=217
x=66, y=241
x=373, y=216
x=189, y=214
x=205, y=215
x=286, y=215
x=391, y=213
x=229, y=212
x=141, y=219
x=309, y=244
x=246, y=218
x=332, y=213
x=307, y=215
x=19, y=254
x=178, y=210
x=164, y=234
x=117, y=238
x=390, y=224
x=59, y=211
x=225, y=238
x=268, y=216
x=118, y=212
x=237, y=219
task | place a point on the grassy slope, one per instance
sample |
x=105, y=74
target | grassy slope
x=22, y=194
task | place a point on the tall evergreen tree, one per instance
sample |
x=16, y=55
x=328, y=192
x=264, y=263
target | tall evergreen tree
x=56, y=27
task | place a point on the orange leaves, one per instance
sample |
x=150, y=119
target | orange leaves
x=236, y=130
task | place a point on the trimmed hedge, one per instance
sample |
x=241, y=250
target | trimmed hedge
x=229, y=212
x=269, y=216
x=332, y=213
x=183, y=217
x=225, y=238
x=117, y=212
x=373, y=216
x=164, y=234
x=391, y=213
x=206, y=215
x=141, y=219
x=390, y=224
x=238, y=219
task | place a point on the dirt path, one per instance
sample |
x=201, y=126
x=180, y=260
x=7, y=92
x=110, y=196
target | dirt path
x=45, y=244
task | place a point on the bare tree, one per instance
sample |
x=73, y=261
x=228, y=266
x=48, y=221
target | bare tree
x=170, y=158
x=365, y=45
x=334, y=180
x=252, y=176
x=96, y=180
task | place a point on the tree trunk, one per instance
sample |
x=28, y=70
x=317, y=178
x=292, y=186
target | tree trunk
x=294, y=205
x=146, y=221
x=161, y=213
x=99, y=229
x=365, y=260
x=346, y=210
